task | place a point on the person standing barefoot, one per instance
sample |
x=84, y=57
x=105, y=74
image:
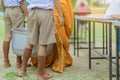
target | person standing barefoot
x=41, y=31
x=14, y=16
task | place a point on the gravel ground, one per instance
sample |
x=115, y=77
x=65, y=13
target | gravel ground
x=78, y=71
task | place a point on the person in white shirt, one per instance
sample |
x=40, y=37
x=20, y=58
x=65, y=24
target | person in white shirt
x=14, y=17
x=41, y=31
x=113, y=9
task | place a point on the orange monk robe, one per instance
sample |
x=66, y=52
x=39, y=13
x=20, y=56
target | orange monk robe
x=68, y=16
x=60, y=56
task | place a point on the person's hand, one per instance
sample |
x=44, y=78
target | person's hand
x=61, y=21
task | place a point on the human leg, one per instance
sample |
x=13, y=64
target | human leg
x=19, y=61
x=26, y=55
x=6, y=46
x=11, y=22
x=42, y=74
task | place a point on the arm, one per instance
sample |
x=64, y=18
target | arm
x=3, y=6
x=24, y=8
x=58, y=7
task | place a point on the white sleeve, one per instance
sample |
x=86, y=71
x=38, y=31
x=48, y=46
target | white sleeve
x=113, y=8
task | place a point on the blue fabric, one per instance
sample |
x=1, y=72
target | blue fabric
x=3, y=11
x=27, y=3
x=119, y=41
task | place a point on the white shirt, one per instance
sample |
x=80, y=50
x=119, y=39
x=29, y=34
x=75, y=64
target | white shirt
x=12, y=2
x=113, y=8
x=45, y=4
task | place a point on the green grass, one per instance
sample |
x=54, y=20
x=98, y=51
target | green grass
x=2, y=31
x=98, y=31
x=10, y=76
x=73, y=2
x=0, y=7
x=13, y=76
